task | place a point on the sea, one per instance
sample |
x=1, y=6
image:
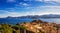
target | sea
x=15, y=21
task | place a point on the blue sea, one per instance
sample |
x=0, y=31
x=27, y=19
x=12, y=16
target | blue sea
x=15, y=21
x=52, y=20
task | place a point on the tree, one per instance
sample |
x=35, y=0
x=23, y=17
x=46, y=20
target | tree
x=6, y=29
x=24, y=28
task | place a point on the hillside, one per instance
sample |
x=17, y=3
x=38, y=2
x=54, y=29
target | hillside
x=36, y=26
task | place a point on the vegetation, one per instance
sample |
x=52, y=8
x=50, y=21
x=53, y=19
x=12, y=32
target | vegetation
x=6, y=28
x=36, y=26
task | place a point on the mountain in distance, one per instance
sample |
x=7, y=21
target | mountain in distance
x=50, y=16
x=38, y=16
x=29, y=18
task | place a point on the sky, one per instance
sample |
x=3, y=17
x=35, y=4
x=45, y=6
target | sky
x=17, y=8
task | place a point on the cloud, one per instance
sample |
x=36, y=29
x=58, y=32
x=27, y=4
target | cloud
x=38, y=0
x=11, y=0
x=14, y=14
x=46, y=2
x=58, y=1
x=43, y=0
x=7, y=13
x=39, y=10
x=49, y=7
x=23, y=4
x=28, y=0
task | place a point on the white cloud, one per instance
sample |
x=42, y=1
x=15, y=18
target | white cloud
x=38, y=0
x=24, y=4
x=28, y=0
x=11, y=0
x=44, y=0
x=49, y=0
x=14, y=14
x=53, y=0
x=40, y=10
x=7, y=13
x=56, y=0
x=49, y=7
